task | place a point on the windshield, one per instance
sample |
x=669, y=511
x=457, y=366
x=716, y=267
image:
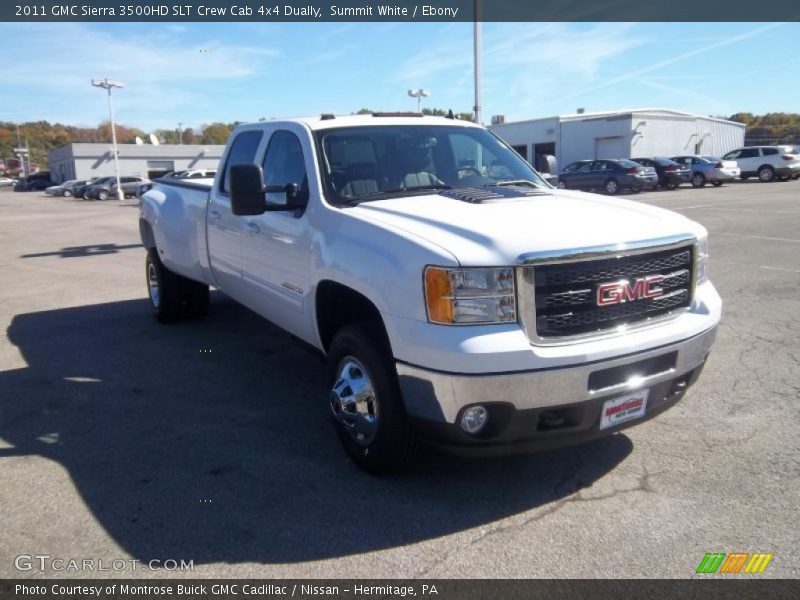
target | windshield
x=371, y=163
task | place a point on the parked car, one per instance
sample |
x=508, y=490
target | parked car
x=609, y=175
x=34, y=183
x=197, y=174
x=670, y=173
x=65, y=189
x=7, y=181
x=483, y=314
x=79, y=191
x=767, y=162
x=708, y=169
x=108, y=188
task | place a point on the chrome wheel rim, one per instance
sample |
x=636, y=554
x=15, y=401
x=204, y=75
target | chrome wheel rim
x=353, y=401
x=765, y=175
x=697, y=180
x=152, y=284
x=611, y=187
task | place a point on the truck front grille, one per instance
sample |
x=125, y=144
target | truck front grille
x=566, y=294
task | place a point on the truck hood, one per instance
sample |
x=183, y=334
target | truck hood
x=498, y=232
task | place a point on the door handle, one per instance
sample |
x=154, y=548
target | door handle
x=214, y=215
x=252, y=227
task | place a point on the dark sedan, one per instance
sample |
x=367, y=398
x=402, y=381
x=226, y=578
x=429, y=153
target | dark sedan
x=609, y=175
x=33, y=183
x=670, y=173
x=80, y=190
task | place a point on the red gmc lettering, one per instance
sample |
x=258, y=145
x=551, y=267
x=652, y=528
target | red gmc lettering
x=618, y=292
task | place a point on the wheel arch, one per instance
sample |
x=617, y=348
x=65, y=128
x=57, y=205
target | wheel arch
x=337, y=305
x=146, y=234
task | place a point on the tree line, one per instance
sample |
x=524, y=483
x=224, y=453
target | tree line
x=43, y=136
x=769, y=129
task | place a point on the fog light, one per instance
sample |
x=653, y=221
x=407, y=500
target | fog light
x=474, y=418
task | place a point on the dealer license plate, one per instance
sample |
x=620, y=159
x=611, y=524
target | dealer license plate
x=623, y=409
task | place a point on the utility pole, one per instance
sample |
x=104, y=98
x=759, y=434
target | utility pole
x=478, y=48
x=108, y=84
x=180, y=133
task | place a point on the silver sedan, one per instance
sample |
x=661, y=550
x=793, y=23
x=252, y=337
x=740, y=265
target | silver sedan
x=709, y=169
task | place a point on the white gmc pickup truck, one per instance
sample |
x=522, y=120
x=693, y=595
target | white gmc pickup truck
x=458, y=297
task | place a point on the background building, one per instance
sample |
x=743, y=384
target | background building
x=620, y=134
x=84, y=161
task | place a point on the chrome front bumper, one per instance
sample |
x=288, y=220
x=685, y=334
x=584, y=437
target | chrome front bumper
x=438, y=396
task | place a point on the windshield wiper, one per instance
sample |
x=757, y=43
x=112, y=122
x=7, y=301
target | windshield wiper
x=353, y=200
x=416, y=188
x=515, y=182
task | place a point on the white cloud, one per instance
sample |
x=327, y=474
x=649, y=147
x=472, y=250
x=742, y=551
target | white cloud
x=524, y=64
x=160, y=69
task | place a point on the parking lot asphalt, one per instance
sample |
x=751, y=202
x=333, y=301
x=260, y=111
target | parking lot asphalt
x=210, y=442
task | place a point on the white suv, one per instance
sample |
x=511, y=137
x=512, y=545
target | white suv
x=767, y=162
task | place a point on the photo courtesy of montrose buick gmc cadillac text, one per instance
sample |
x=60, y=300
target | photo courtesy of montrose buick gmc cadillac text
x=458, y=298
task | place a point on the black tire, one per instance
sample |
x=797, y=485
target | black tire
x=67, y=194
x=392, y=442
x=766, y=174
x=716, y=183
x=102, y=195
x=784, y=177
x=173, y=297
x=698, y=180
x=611, y=186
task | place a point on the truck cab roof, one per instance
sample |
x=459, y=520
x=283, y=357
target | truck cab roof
x=327, y=121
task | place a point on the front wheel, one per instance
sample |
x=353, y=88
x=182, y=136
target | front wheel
x=366, y=402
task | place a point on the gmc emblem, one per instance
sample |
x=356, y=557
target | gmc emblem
x=617, y=292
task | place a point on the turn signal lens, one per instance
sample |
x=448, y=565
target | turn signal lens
x=470, y=296
x=439, y=294
x=701, y=260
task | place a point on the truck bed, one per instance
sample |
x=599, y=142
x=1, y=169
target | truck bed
x=181, y=237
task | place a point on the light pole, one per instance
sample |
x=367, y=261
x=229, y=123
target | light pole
x=478, y=50
x=180, y=134
x=419, y=95
x=107, y=84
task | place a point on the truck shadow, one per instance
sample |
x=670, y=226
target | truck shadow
x=211, y=441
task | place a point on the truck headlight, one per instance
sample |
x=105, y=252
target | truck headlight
x=701, y=260
x=470, y=296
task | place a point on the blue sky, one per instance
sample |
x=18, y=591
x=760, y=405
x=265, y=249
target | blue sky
x=199, y=73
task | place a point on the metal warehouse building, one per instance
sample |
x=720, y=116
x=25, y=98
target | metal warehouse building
x=84, y=161
x=632, y=133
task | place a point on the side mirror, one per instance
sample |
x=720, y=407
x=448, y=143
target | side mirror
x=247, y=190
x=550, y=178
